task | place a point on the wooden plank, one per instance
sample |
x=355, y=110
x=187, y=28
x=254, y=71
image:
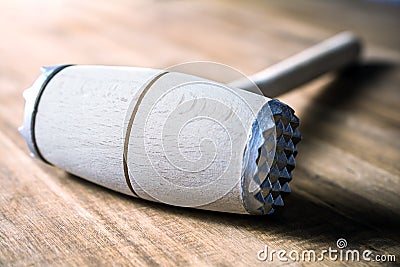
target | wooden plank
x=347, y=179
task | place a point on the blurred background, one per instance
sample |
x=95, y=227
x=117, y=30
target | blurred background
x=247, y=36
x=347, y=177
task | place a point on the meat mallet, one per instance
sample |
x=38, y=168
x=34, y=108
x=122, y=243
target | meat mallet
x=176, y=138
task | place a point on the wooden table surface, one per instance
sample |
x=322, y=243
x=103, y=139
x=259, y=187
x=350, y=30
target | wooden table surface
x=347, y=178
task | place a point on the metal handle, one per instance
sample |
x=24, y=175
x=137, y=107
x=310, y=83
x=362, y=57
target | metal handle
x=332, y=54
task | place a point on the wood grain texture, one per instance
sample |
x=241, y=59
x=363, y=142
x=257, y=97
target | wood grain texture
x=347, y=179
x=163, y=136
x=81, y=118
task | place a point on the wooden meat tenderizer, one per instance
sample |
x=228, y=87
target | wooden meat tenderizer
x=176, y=138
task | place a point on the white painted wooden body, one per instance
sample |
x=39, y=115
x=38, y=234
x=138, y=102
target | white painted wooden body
x=185, y=139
